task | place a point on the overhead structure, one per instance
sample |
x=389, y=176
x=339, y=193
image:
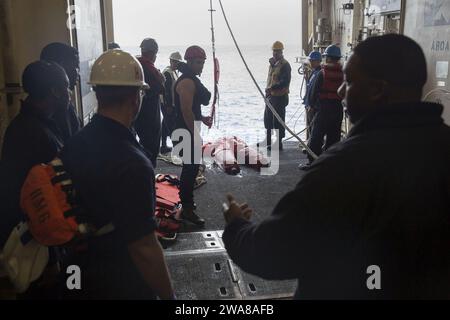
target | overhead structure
x=346, y=23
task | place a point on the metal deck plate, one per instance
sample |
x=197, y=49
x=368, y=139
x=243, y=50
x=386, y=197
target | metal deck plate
x=202, y=270
x=255, y=288
x=202, y=276
x=195, y=242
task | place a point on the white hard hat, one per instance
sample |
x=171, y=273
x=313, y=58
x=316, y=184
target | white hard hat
x=117, y=68
x=176, y=56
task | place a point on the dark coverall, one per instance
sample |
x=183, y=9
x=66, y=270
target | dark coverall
x=168, y=109
x=115, y=183
x=189, y=173
x=327, y=119
x=278, y=102
x=30, y=139
x=67, y=122
x=306, y=100
x=148, y=122
x=358, y=207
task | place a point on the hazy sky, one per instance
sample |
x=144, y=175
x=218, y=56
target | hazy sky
x=186, y=22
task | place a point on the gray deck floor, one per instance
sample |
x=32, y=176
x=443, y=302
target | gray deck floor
x=262, y=193
x=199, y=265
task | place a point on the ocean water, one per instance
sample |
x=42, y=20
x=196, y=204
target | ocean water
x=241, y=107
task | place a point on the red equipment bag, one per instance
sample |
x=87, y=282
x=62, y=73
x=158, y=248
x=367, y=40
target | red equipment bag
x=167, y=206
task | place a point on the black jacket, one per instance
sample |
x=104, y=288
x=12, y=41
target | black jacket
x=381, y=197
x=114, y=180
x=68, y=122
x=30, y=139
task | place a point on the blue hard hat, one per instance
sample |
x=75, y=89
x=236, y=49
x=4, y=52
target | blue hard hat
x=333, y=51
x=315, y=56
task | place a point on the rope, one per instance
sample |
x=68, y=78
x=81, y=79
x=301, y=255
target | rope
x=292, y=137
x=301, y=95
x=216, y=65
x=269, y=105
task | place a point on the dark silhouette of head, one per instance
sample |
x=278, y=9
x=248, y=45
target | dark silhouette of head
x=47, y=86
x=66, y=56
x=382, y=71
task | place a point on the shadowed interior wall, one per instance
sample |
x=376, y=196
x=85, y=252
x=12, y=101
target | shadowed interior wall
x=26, y=27
x=428, y=22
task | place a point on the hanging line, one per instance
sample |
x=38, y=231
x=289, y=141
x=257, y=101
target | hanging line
x=216, y=69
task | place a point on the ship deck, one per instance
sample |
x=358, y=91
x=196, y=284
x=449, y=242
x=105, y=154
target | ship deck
x=198, y=262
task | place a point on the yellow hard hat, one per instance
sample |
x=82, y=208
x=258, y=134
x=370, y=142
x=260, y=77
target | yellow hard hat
x=278, y=46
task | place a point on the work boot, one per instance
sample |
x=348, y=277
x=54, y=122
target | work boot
x=192, y=217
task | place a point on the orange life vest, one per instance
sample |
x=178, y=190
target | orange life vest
x=332, y=80
x=48, y=199
x=45, y=200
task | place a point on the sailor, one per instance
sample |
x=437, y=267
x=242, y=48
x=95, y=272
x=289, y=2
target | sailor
x=168, y=106
x=67, y=57
x=327, y=104
x=277, y=91
x=148, y=122
x=315, y=60
x=370, y=218
x=190, y=95
x=115, y=183
x=32, y=138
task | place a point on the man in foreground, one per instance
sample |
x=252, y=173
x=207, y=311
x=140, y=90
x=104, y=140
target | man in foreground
x=369, y=219
x=114, y=180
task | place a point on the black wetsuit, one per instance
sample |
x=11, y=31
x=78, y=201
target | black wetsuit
x=190, y=170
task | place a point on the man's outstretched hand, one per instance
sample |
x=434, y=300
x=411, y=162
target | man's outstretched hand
x=234, y=210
